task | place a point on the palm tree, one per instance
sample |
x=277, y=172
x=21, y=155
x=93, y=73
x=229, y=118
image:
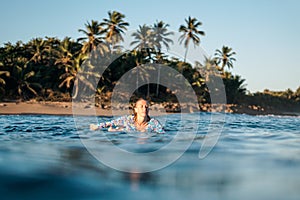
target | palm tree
x=144, y=41
x=190, y=32
x=12, y=53
x=114, y=27
x=36, y=47
x=224, y=56
x=4, y=73
x=51, y=49
x=208, y=68
x=67, y=48
x=143, y=38
x=93, y=36
x=79, y=74
x=22, y=76
x=43, y=54
x=14, y=61
x=161, y=34
x=296, y=95
x=2, y=80
x=160, y=31
x=235, y=87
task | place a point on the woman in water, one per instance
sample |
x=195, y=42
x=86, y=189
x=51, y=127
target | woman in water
x=139, y=121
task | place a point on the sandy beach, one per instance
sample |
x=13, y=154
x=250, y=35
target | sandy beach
x=48, y=108
x=64, y=108
x=69, y=108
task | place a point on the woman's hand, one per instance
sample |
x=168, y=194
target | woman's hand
x=94, y=127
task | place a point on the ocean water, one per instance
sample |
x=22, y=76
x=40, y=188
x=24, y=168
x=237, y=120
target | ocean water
x=54, y=157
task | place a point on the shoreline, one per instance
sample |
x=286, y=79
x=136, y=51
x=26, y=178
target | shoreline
x=87, y=109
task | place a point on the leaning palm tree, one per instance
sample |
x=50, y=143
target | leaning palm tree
x=51, y=49
x=93, y=36
x=37, y=48
x=79, y=74
x=67, y=48
x=114, y=27
x=224, y=56
x=3, y=73
x=190, y=32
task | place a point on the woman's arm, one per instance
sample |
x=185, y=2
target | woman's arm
x=155, y=126
x=95, y=127
x=118, y=123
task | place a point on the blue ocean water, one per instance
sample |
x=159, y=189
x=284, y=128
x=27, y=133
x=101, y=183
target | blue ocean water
x=44, y=157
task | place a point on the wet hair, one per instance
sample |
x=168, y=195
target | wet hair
x=135, y=114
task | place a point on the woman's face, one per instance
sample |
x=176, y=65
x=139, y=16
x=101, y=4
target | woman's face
x=142, y=108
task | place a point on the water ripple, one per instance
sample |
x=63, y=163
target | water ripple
x=47, y=152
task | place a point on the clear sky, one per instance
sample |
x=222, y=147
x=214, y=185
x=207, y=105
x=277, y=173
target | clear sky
x=264, y=33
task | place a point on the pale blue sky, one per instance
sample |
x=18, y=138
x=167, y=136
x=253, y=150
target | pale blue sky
x=263, y=33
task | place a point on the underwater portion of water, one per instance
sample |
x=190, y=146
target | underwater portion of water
x=44, y=157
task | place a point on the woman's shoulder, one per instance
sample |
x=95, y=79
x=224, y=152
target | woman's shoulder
x=156, y=126
x=154, y=121
x=129, y=117
x=125, y=117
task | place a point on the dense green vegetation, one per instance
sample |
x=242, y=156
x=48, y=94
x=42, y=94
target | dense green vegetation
x=49, y=68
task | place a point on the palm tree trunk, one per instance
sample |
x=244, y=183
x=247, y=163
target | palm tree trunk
x=186, y=51
x=223, y=66
x=148, y=90
x=75, y=86
x=158, y=80
x=137, y=78
x=149, y=54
